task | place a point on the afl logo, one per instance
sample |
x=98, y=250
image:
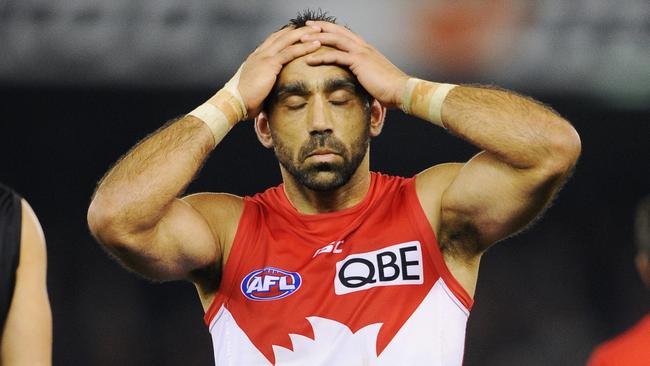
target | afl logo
x=270, y=283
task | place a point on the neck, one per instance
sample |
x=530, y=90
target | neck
x=307, y=201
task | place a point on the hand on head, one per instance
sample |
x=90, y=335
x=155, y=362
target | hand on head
x=261, y=68
x=383, y=80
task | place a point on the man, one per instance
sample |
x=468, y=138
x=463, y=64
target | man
x=631, y=348
x=25, y=316
x=337, y=265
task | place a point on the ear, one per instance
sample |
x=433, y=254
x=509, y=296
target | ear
x=263, y=130
x=643, y=266
x=377, y=116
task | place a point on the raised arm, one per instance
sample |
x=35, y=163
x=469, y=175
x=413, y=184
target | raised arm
x=527, y=149
x=136, y=212
x=528, y=152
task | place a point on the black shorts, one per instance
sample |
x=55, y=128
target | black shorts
x=10, y=225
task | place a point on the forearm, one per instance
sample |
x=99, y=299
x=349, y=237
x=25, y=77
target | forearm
x=517, y=130
x=137, y=190
x=136, y=193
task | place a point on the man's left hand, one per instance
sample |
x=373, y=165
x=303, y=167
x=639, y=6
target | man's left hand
x=383, y=80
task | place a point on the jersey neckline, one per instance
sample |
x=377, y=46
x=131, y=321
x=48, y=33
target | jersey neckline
x=287, y=206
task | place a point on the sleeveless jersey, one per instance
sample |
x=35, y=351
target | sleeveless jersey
x=10, y=225
x=366, y=285
x=629, y=348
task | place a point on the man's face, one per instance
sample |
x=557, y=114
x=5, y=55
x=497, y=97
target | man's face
x=319, y=124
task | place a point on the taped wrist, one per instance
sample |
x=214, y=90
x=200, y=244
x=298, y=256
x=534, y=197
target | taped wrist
x=424, y=99
x=223, y=110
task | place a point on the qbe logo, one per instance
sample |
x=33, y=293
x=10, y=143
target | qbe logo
x=270, y=283
x=399, y=264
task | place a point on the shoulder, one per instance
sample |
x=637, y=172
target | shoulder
x=228, y=207
x=222, y=213
x=29, y=217
x=9, y=200
x=220, y=207
x=11, y=213
x=32, y=239
x=631, y=343
x=438, y=177
x=430, y=185
x=383, y=183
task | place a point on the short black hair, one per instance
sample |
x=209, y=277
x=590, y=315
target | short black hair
x=309, y=14
x=642, y=226
x=298, y=22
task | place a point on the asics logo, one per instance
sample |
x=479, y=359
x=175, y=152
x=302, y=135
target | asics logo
x=332, y=247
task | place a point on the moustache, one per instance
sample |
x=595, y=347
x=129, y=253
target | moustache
x=322, y=141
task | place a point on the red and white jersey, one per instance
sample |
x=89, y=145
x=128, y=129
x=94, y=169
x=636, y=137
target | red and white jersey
x=365, y=285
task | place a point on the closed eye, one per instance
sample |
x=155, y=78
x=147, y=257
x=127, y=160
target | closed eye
x=340, y=97
x=340, y=102
x=295, y=102
x=295, y=107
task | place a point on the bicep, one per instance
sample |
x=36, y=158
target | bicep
x=489, y=200
x=181, y=242
x=192, y=235
x=27, y=336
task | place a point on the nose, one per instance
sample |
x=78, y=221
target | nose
x=320, y=119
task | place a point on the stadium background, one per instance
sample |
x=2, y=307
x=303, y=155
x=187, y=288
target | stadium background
x=81, y=81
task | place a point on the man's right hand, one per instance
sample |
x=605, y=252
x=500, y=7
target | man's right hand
x=260, y=70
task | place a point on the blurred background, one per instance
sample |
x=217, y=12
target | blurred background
x=81, y=81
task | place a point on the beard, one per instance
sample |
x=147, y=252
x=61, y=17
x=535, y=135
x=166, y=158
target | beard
x=323, y=176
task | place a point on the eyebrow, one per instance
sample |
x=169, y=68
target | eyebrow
x=293, y=88
x=338, y=83
x=300, y=88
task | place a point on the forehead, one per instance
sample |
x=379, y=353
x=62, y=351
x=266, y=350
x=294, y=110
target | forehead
x=313, y=76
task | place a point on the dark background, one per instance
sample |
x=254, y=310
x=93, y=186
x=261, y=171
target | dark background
x=544, y=297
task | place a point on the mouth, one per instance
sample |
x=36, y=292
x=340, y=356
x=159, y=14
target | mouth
x=322, y=152
x=323, y=156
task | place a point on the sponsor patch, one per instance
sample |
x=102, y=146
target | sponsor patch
x=270, y=283
x=399, y=264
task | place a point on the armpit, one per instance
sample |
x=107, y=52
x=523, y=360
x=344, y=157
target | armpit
x=459, y=239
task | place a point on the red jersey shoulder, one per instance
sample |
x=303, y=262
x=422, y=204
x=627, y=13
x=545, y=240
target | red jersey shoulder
x=628, y=348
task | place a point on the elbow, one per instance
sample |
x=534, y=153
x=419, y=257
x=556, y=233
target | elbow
x=106, y=223
x=563, y=149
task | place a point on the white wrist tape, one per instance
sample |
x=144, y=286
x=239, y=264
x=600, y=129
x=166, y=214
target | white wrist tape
x=214, y=118
x=221, y=112
x=233, y=87
x=435, y=103
x=424, y=99
x=408, y=94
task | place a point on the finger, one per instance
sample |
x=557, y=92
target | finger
x=338, y=41
x=287, y=39
x=297, y=50
x=271, y=38
x=329, y=57
x=335, y=28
